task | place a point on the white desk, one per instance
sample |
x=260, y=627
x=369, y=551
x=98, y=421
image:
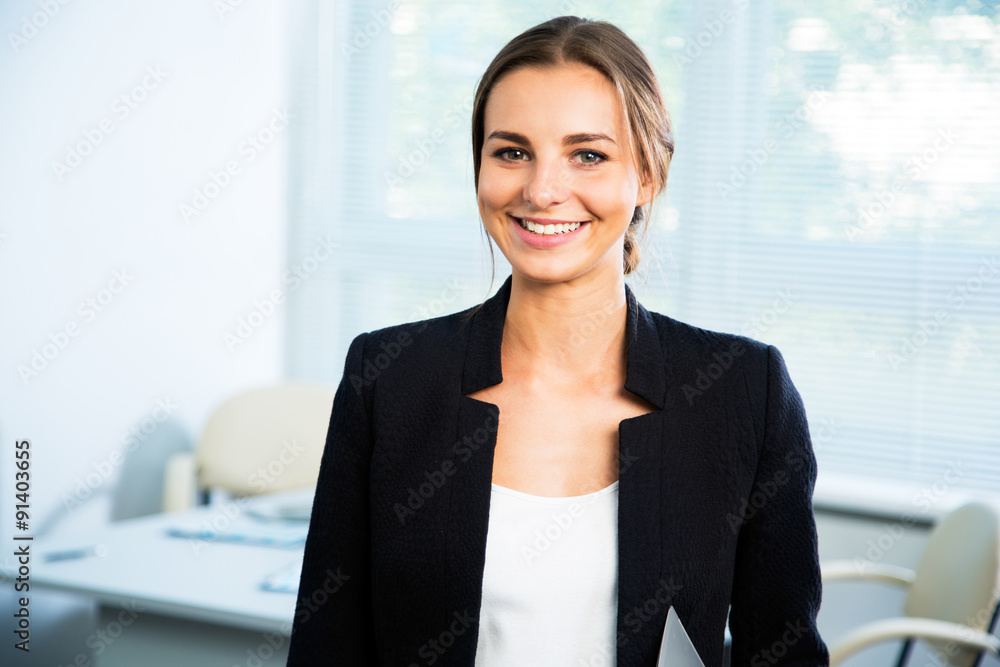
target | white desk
x=198, y=601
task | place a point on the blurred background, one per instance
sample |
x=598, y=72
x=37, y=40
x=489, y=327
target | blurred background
x=202, y=198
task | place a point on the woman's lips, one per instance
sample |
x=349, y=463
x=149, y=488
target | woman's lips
x=545, y=240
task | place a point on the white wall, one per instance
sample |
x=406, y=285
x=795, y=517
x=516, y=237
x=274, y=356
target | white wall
x=65, y=235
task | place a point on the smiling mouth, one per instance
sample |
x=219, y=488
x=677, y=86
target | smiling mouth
x=548, y=230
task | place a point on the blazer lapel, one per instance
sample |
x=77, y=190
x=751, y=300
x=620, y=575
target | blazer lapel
x=476, y=429
x=471, y=490
x=644, y=590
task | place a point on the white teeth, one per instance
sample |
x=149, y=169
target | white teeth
x=561, y=228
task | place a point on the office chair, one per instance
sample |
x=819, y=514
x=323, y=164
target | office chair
x=261, y=441
x=952, y=597
x=139, y=488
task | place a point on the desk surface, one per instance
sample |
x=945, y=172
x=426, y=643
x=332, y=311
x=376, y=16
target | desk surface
x=204, y=580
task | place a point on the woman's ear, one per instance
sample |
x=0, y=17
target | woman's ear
x=646, y=192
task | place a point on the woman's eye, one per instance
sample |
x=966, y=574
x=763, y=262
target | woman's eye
x=591, y=157
x=512, y=154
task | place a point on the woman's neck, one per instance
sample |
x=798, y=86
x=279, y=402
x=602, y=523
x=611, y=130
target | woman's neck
x=566, y=332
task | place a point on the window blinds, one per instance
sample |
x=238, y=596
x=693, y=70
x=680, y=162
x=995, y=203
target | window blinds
x=834, y=192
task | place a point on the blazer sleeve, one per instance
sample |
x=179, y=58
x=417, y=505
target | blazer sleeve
x=777, y=586
x=333, y=622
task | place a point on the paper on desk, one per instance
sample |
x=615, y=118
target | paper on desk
x=676, y=649
x=287, y=505
x=283, y=534
x=285, y=580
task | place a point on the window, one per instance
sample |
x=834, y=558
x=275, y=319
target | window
x=835, y=193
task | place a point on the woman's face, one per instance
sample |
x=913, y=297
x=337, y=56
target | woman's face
x=556, y=153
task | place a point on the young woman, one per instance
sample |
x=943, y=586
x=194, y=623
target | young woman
x=536, y=480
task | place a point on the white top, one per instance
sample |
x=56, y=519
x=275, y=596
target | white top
x=550, y=584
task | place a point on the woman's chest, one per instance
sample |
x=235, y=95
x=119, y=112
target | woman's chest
x=558, y=444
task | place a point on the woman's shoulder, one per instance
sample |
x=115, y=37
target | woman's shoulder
x=398, y=353
x=442, y=330
x=702, y=363
x=683, y=341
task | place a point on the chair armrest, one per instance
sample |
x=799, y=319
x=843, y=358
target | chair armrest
x=912, y=628
x=863, y=570
x=180, y=485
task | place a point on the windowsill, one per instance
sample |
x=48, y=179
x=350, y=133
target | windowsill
x=880, y=499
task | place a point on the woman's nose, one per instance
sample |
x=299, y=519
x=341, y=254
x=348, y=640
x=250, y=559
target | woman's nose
x=547, y=185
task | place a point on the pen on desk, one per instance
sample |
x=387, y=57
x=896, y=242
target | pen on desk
x=73, y=554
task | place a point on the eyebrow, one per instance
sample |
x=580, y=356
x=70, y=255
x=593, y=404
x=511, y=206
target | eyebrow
x=586, y=138
x=580, y=138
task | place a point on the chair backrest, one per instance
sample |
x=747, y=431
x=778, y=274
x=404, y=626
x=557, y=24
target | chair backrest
x=266, y=440
x=958, y=578
x=139, y=489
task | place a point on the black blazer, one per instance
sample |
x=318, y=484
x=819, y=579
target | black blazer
x=714, y=499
